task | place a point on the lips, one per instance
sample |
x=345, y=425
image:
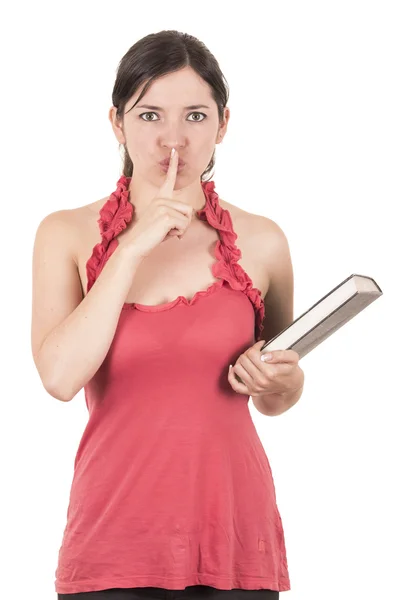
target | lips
x=166, y=162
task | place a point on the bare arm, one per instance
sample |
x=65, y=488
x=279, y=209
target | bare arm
x=71, y=335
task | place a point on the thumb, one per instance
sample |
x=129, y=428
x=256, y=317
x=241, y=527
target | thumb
x=259, y=344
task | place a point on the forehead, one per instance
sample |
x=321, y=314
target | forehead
x=181, y=88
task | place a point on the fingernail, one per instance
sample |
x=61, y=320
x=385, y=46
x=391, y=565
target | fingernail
x=230, y=366
x=172, y=152
x=266, y=357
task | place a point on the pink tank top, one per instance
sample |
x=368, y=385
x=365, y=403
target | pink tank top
x=172, y=486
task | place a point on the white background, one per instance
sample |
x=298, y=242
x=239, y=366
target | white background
x=311, y=144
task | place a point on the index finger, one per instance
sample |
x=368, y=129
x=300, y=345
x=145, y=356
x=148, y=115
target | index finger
x=167, y=189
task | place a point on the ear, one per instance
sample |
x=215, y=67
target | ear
x=223, y=126
x=117, y=125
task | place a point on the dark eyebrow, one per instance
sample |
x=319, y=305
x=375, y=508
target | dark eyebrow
x=192, y=107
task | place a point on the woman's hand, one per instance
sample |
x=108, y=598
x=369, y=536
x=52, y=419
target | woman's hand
x=281, y=375
x=162, y=219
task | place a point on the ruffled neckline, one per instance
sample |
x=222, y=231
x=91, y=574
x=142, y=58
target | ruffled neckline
x=117, y=212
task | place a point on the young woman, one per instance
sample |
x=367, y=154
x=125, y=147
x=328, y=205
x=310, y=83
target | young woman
x=144, y=299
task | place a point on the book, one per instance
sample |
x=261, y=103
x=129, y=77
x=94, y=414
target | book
x=326, y=316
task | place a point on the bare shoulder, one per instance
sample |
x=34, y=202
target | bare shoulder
x=69, y=217
x=87, y=211
x=256, y=230
x=69, y=227
x=57, y=227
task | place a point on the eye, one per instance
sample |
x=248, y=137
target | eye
x=153, y=113
x=147, y=113
x=198, y=113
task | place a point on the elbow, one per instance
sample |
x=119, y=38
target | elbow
x=53, y=379
x=56, y=388
x=57, y=392
x=62, y=388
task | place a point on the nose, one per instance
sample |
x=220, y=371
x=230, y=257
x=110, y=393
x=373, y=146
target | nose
x=173, y=136
x=166, y=149
x=169, y=144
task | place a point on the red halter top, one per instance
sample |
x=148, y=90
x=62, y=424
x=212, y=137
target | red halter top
x=172, y=486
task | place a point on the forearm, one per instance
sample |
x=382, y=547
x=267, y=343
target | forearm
x=72, y=353
x=273, y=405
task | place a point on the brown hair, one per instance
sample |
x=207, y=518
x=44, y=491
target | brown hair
x=157, y=54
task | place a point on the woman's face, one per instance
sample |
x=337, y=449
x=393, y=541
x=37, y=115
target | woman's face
x=176, y=111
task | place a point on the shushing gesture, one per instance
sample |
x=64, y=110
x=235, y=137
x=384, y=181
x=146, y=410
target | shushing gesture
x=163, y=218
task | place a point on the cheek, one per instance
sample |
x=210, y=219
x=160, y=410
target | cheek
x=140, y=144
x=202, y=145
